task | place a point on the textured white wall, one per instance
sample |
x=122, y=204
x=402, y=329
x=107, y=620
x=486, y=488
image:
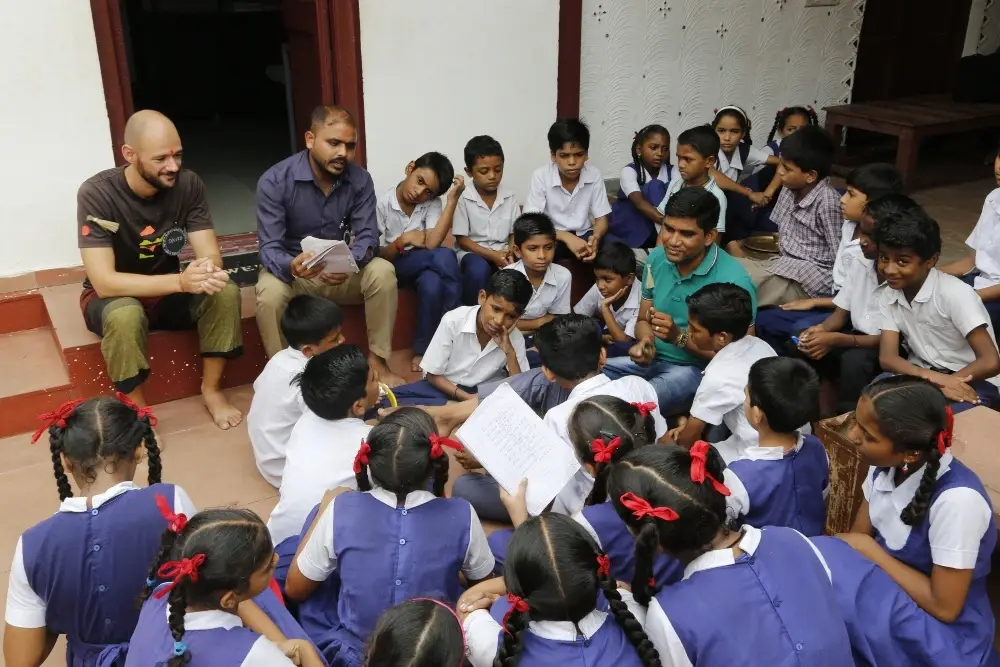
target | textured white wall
x=986, y=16
x=673, y=61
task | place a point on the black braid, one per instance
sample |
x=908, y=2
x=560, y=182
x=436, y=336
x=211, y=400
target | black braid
x=167, y=542
x=915, y=512
x=640, y=171
x=627, y=621
x=364, y=484
x=509, y=652
x=439, y=467
x=778, y=122
x=152, y=453
x=55, y=446
x=647, y=543
x=178, y=605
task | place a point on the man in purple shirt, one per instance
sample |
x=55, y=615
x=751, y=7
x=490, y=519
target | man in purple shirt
x=320, y=192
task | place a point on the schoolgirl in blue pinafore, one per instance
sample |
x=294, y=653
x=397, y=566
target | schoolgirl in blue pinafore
x=627, y=223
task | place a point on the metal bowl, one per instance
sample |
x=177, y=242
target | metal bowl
x=766, y=243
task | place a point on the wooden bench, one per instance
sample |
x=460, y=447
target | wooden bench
x=911, y=119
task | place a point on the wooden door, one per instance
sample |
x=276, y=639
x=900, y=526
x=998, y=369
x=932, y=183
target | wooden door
x=310, y=56
x=909, y=47
x=113, y=60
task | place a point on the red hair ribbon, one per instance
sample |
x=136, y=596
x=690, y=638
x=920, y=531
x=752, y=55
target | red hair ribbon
x=361, y=458
x=604, y=565
x=438, y=443
x=641, y=508
x=57, y=417
x=652, y=582
x=517, y=604
x=604, y=451
x=699, y=458
x=141, y=413
x=645, y=409
x=176, y=571
x=175, y=522
x=944, y=437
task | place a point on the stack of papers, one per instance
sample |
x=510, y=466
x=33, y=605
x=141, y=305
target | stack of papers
x=330, y=256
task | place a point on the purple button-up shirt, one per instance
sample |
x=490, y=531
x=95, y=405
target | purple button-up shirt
x=292, y=206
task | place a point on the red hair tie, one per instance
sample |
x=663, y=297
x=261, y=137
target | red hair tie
x=517, y=604
x=699, y=459
x=604, y=565
x=645, y=409
x=141, y=413
x=438, y=443
x=175, y=522
x=604, y=451
x=57, y=417
x=641, y=508
x=361, y=458
x=944, y=437
x=176, y=571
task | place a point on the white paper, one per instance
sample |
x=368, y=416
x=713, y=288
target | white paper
x=331, y=256
x=513, y=443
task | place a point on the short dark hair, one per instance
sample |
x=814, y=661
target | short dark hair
x=309, y=319
x=568, y=131
x=617, y=258
x=786, y=390
x=810, y=149
x=697, y=203
x=722, y=308
x=570, y=346
x=441, y=166
x=332, y=381
x=533, y=224
x=702, y=139
x=889, y=207
x=511, y=285
x=330, y=114
x=875, y=179
x=482, y=146
x=912, y=229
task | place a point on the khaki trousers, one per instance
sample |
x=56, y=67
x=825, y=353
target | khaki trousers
x=772, y=290
x=374, y=286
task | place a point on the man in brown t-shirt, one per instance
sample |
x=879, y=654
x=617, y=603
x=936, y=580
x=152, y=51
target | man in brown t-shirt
x=133, y=223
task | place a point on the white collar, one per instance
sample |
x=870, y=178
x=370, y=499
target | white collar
x=632, y=300
x=338, y=424
x=564, y=631
x=923, y=296
x=736, y=162
x=903, y=494
x=212, y=619
x=590, y=385
x=586, y=176
x=413, y=499
x=469, y=325
x=724, y=557
x=296, y=354
x=770, y=453
x=547, y=279
x=80, y=504
x=472, y=194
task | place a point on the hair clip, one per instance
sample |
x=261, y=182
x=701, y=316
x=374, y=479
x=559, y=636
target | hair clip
x=175, y=522
x=57, y=417
x=140, y=413
x=361, y=459
x=177, y=570
x=518, y=604
x=641, y=508
x=603, y=451
x=151, y=582
x=180, y=648
x=438, y=443
x=944, y=437
x=645, y=409
x=604, y=565
x=699, y=460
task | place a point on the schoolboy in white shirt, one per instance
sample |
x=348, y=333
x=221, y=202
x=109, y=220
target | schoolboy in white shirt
x=534, y=245
x=614, y=298
x=943, y=320
x=571, y=192
x=719, y=316
x=474, y=344
x=484, y=218
x=311, y=325
x=697, y=151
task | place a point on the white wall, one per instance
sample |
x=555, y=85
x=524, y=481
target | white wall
x=54, y=131
x=673, y=62
x=438, y=72
x=983, y=35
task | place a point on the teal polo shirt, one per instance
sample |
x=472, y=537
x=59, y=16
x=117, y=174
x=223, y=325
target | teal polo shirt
x=668, y=290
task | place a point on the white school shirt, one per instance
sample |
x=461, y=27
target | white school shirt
x=393, y=223
x=936, y=324
x=455, y=354
x=736, y=170
x=958, y=519
x=848, y=252
x=861, y=296
x=713, y=187
x=985, y=240
x=658, y=627
x=276, y=406
x=490, y=228
x=629, y=179
x=263, y=653
x=720, y=397
x=482, y=631
x=570, y=211
x=626, y=316
x=552, y=296
x=25, y=608
x=320, y=456
x=318, y=559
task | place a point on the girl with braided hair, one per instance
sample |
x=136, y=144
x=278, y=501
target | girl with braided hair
x=752, y=597
x=554, y=579
x=927, y=520
x=390, y=541
x=215, y=565
x=642, y=186
x=79, y=572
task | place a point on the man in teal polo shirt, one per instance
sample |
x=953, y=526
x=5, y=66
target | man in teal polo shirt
x=686, y=260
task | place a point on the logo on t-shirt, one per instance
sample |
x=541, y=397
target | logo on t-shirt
x=173, y=241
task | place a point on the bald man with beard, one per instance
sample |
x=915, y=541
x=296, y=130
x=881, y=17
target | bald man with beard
x=133, y=223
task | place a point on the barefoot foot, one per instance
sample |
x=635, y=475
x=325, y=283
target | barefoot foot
x=385, y=376
x=224, y=414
